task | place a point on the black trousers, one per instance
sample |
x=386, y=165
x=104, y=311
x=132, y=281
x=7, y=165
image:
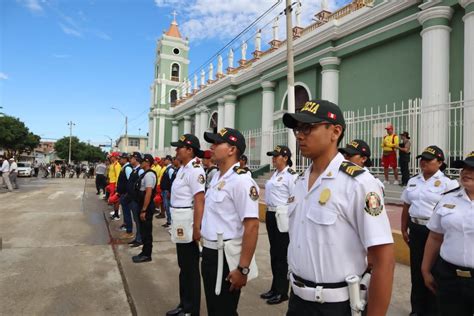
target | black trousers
x=299, y=307
x=226, y=303
x=189, y=277
x=404, y=169
x=455, y=294
x=146, y=230
x=278, y=255
x=100, y=182
x=423, y=301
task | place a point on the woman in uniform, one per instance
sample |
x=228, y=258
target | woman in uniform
x=420, y=197
x=277, y=192
x=451, y=245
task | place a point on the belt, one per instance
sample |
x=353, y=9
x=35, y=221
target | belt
x=211, y=244
x=462, y=272
x=272, y=208
x=183, y=207
x=420, y=221
x=320, y=293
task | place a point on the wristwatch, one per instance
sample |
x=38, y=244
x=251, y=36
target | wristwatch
x=243, y=270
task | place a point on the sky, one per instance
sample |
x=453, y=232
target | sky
x=72, y=60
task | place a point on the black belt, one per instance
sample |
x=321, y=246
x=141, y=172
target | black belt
x=463, y=272
x=300, y=282
x=183, y=207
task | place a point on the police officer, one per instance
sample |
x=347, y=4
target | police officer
x=132, y=196
x=209, y=167
x=187, y=206
x=277, y=192
x=419, y=199
x=145, y=186
x=229, y=226
x=122, y=181
x=337, y=219
x=451, y=241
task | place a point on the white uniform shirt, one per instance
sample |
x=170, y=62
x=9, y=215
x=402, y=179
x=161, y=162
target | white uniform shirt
x=422, y=195
x=382, y=186
x=189, y=181
x=454, y=218
x=330, y=234
x=230, y=199
x=280, y=187
x=5, y=166
x=13, y=167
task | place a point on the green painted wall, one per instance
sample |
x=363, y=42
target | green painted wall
x=181, y=127
x=456, y=62
x=168, y=127
x=248, y=111
x=390, y=72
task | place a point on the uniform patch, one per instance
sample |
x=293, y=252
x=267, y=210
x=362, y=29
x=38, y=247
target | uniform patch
x=351, y=169
x=279, y=179
x=437, y=183
x=373, y=205
x=253, y=193
x=324, y=196
x=220, y=186
x=201, y=179
x=450, y=206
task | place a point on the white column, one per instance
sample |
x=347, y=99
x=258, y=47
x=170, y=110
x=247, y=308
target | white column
x=164, y=99
x=154, y=131
x=150, y=133
x=187, y=124
x=435, y=76
x=268, y=103
x=468, y=76
x=174, y=131
x=204, y=126
x=220, y=113
x=229, y=107
x=330, y=79
x=161, y=134
x=197, y=122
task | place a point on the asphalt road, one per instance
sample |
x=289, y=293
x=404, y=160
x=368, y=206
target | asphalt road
x=60, y=256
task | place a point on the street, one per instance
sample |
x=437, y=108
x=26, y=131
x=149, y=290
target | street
x=59, y=256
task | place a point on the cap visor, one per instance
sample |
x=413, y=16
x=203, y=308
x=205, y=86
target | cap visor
x=175, y=144
x=459, y=164
x=291, y=120
x=349, y=151
x=426, y=156
x=272, y=153
x=212, y=138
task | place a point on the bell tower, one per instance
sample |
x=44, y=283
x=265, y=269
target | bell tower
x=170, y=82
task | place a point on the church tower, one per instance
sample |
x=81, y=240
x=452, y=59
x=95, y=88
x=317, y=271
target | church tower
x=171, y=76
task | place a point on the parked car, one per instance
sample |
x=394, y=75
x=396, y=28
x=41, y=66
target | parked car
x=24, y=169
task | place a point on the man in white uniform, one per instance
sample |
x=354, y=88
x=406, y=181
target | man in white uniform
x=231, y=208
x=5, y=171
x=337, y=221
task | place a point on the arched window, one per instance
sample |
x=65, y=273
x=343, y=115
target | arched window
x=213, y=122
x=173, y=96
x=175, y=72
x=301, y=96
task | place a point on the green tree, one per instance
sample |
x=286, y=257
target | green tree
x=80, y=151
x=15, y=137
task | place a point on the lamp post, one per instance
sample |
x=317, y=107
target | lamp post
x=110, y=138
x=126, y=127
x=71, y=124
x=290, y=72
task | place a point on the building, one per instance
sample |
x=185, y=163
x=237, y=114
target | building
x=409, y=63
x=131, y=143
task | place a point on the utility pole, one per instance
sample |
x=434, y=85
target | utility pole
x=290, y=72
x=126, y=127
x=111, y=145
x=71, y=124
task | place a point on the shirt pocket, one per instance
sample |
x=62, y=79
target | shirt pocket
x=322, y=216
x=218, y=196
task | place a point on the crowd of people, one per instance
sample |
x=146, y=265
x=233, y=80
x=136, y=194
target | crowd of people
x=330, y=238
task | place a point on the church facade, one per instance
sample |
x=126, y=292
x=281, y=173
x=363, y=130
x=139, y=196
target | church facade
x=415, y=56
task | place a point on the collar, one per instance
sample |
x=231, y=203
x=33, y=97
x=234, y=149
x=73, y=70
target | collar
x=190, y=163
x=333, y=168
x=230, y=171
x=281, y=172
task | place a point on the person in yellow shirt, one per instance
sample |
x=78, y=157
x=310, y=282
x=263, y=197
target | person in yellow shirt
x=390, y=143
x=113, y=174
x=156, y=165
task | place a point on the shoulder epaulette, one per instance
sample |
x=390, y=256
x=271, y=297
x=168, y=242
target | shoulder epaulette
x=452, y=190
x=212, y=168
x=291, y=171
x=239, y=170
x=196, y=164
x=351, y=169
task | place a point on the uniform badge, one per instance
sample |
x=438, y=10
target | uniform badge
x=437, y=183
x=373, y=205
x=180, y=232
x=253, y=193
x=220, y=186
x=279, y=179
x=329, y=174
x=291, y=199
x=450, y=206
x=324, y=196
x=201, y=179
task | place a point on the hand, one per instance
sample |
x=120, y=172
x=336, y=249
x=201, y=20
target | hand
x=405, y=237
x=142, y=216
x=196, y=234
x=430, y=282
x=237, y=280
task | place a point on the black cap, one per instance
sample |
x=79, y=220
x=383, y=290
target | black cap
x=315, y=111
x=357, y=147
x=468, y=162
x=148, y=158
x=280, y=151
x=405, y=134
x=227, y=135
x=188, y=140
x=137, y=156
x=168, y=157
x=124, y=155
x=432, y=152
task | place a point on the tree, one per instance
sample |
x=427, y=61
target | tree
x=80, y=151
x=15, y=137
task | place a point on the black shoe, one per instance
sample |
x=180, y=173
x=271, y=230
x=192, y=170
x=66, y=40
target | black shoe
x=141, y=258
x=175, y=312
x=277, y=299
x=135, y=244
x=267, y=295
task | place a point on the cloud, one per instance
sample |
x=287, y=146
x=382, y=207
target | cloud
x=3, y=76
x=70, y=31
x=32, y=5
x=62, y=56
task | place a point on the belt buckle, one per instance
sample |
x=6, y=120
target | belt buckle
x=463, y=274
x=299, y=284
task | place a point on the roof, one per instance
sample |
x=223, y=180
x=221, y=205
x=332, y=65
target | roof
x=174, y=30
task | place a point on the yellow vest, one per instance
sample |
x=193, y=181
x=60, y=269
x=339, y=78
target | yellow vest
x=390, y=142
x=114, y=171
